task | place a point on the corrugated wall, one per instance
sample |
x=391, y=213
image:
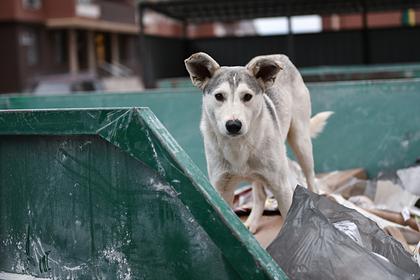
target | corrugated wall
x=166, y=55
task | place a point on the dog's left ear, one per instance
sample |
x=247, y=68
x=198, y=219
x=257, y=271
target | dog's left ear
x=201, y=68
x=264, y=69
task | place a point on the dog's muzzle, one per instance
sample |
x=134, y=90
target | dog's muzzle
x=233, y=127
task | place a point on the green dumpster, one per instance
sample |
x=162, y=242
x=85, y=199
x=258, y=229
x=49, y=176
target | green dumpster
x=331, y=73
x=109, y=194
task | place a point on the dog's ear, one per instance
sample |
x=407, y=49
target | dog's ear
x=264, y=69
x=201, y=68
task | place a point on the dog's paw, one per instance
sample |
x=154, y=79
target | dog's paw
x=251, y=226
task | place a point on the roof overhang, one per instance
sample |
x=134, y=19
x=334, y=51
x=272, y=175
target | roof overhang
x=96, y=25
x=196, y=11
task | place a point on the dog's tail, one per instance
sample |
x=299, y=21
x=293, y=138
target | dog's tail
x=318, y=123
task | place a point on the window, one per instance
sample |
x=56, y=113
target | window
x=60, y=47
x=122, y=48
x=280, y=25
x=306, y=24
x=32, y=4
x=29, y=40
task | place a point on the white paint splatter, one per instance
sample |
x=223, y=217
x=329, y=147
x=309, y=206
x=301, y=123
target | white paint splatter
x=159, y=186
x=113, y=256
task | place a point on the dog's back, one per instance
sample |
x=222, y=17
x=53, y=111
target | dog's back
x=289, y=93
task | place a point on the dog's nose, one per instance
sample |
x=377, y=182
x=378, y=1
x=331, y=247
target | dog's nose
x=233, y=126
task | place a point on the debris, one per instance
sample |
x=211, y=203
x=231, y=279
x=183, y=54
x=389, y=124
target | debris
x=382, y=223
x=412, y=236
x=354, y=187
x=417, y=254
x=394, y=217
x=382, y=201
x=410, y=179
x=242, y=202
x=268, y=229
x=335, y=180
x=362, y=201
x=310, y=238
x=397, y=234
x=392, y=197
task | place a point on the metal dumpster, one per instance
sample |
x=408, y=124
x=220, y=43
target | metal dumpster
x=332, y=73
x=360, y=72
x=376, y=124
x=109, y=194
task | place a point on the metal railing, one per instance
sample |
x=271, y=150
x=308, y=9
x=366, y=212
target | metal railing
x=116, y=69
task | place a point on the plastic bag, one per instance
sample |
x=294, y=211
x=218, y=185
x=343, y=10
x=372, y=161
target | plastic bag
x=350, y=229
x=310, y=246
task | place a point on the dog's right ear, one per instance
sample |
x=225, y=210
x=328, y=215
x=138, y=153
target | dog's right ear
x=265, y=69
x=201, y=68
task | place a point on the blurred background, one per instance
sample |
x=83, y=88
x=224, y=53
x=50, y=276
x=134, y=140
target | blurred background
x=65, y=46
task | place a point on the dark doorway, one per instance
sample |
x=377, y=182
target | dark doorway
x=82, y=49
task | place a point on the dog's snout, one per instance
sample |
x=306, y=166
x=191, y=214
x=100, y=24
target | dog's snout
x=233, y=126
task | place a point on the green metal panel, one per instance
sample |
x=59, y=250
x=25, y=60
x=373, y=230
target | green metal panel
x=376, y=124
x=361, y=72
x=178, y=110
x=109, y=194
x=331, y=73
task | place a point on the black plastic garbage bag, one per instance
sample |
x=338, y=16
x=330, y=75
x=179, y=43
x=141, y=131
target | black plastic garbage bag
x=322, y=239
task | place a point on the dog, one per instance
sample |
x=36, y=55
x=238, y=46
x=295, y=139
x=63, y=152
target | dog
x=248, y=113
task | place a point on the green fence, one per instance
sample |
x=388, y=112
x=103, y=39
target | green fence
x=109, y=194
x=361, y=72
x=332, y=73
x=376, y=124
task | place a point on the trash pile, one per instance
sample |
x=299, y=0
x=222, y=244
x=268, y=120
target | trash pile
x=356, y=229
x=321, y=239
x=391, y=200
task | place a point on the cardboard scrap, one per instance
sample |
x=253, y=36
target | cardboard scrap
x=269, y=227
x=392, y=197
x=412, y=236
x=396, y=233
x=347, y=182
x=394, y=217
x=410, y=179
x=362, y=201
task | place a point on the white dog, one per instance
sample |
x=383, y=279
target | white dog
x=247, y=115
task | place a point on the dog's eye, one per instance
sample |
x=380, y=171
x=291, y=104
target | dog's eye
x=219, y=97
x=247, y=97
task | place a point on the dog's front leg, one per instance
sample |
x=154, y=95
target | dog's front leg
x=282, y=190
x=225, y=185
x=258, y=196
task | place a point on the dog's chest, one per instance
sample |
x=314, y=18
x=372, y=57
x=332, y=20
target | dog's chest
x=237, y=156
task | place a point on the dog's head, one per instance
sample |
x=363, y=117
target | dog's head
x=233, y=96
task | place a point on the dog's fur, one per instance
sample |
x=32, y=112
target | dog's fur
x=279, y=109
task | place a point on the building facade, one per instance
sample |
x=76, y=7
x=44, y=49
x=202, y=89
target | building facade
x=45, y=37
x=389, y=19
